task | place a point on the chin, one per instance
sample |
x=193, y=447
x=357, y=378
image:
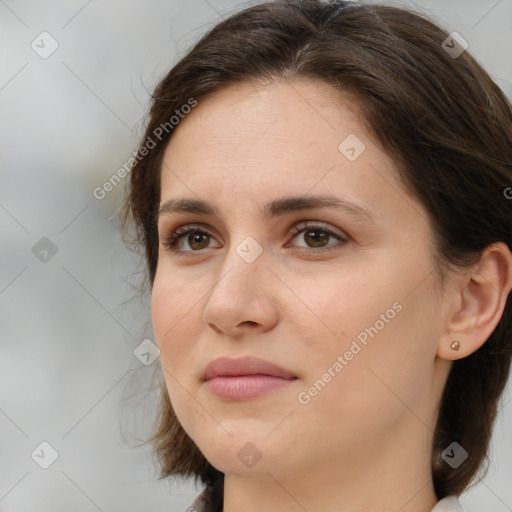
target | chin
x=243, y=454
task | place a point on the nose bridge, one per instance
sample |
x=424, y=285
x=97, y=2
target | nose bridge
x=241, y=293
x=244, y=265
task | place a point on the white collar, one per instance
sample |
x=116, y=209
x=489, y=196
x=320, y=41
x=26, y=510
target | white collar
x=205, y=503
x=448, y=504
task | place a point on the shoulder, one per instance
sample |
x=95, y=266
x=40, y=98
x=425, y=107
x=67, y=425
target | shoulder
x=200, y=504
x=209, y=500
x=448, y=504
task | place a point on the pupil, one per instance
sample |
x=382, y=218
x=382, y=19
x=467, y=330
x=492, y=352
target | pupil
x=318, y=236
x=197, y=238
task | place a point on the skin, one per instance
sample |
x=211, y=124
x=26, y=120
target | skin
x=363, y=443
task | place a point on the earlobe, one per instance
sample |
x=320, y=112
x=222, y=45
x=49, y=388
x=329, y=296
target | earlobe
x=480, y=303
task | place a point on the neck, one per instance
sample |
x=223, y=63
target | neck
x=381, y=480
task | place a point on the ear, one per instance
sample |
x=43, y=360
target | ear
x=478, y=302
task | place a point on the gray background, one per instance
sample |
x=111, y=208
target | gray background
x=69, y=324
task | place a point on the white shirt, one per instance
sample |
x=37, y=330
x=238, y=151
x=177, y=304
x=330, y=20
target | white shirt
x=448, y=504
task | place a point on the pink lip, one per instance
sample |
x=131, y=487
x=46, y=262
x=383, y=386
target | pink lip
x=245, y=377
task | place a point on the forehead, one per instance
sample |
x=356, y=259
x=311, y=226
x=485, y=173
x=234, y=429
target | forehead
x=252, y=142
x=248, y=117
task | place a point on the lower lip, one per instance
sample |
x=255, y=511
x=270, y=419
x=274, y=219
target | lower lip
x=243, y=387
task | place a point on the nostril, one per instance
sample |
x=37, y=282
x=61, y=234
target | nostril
x=215, y=328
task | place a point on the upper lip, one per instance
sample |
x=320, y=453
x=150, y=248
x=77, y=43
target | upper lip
x=227, y=366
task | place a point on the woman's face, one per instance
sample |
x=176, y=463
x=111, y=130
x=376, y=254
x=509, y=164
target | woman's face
x=342, y=297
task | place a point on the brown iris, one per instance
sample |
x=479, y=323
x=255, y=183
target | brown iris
x=317, y=239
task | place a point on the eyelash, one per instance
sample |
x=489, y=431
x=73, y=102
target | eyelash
x=172, y=240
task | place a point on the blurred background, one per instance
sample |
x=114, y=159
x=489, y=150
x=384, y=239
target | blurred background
x=76, y=354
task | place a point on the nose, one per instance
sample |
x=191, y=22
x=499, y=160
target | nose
x=243, y=298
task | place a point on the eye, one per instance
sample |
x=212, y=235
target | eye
x=199, y=238
x=317, y=236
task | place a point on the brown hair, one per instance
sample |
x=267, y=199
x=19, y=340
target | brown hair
x=444, y=121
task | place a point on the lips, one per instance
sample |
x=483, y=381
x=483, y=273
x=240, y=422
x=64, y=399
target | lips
x=228, y=367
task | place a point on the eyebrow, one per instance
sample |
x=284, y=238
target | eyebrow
x=272, y=209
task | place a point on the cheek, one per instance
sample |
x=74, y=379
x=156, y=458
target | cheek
x=176, y=326
x=341, y=302
x=176, y=330
x=385, y=335
x=383, y=380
